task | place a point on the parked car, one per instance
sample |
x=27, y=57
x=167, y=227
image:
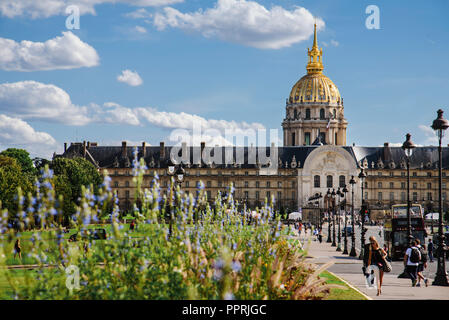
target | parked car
x=92, y=234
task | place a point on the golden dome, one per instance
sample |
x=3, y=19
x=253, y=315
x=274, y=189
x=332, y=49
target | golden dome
x=315, y=86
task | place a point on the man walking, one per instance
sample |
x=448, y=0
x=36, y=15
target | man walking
x=411, y=262
x=430, y=250
x=422, y=263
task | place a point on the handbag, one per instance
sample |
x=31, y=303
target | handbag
x=386, y=265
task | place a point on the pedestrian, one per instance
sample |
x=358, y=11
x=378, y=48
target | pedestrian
x=387, y=251
x=17, y=249
x=422, y=263
x=430, y=250
x=320, y=236
x=411, y=262
x=374, y=257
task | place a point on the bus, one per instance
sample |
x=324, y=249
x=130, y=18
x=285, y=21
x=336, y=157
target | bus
x=395, y=228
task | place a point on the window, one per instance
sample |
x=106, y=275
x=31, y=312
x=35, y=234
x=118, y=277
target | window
x=246, y=184
x=429, y=174
x=307, y=114
x=295, y=114
x=316, y=181
x=379, y=174
x=366, y=185
x=246, y=194
x=219, y=184
x=415, y=185
x=443, y=196
x=126, y=183
x=257, y=184
x=257, y=195
x=429, y=196
x=293, y=184
x=293, y=139
x=323, y=137
x=307, y=138
x=415, y=196
x=391, y=185
x=322, y=114
x=379, y=196
x=246, y=173
x=391, y=174
x=391, y=196
x=342, y=181
x=444, y=174
x=329, y=182
x=268, y=184
x=335, y=114
x=268, y=195
x=429, y=185
x=402, y=174
x=116, y=184
x=402, y=185
x=209, y=195
x=379, y=185
x=402, y=196
x=279, y=195
x=187, y=184
x=415, y=174
x=127, y=193
x=293, y=195
x=443, y=185
x=279, y=184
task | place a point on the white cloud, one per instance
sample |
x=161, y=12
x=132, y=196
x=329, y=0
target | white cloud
x=47, y=8
x=16, y=133
x=140, y=29
x=30, y=100
x=64, y=52
x=244, y=22
x=139, y=14
x=335, y=43
x=131, y=78
x=38, y=101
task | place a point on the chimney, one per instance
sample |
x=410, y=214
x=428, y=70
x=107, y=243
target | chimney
x=65, y=147
x=144, y=149
x=84, y=149
x=203, y=145
x=162, y=151
x=387, y=152
x=88, y=144
x=124, y=153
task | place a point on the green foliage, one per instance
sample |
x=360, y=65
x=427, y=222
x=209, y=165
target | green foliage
x=182, y=249
x=23, y=159
x=75, y=173
x=11, y=180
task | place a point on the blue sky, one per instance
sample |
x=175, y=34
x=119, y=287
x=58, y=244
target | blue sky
x=190, y=64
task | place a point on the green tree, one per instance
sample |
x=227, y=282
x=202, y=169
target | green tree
x=69, y=177
x=23, y=159
x=11, y=178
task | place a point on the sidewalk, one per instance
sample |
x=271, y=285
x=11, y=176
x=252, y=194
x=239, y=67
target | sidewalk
x=350, y=270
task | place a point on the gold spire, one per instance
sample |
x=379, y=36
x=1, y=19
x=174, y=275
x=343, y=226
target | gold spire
x=315, y=64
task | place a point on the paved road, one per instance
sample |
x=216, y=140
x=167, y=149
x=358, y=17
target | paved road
x=350, y=270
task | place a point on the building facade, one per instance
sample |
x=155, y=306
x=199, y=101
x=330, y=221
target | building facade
x=314, y=159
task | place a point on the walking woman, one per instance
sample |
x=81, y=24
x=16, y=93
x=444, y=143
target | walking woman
x=374, y=257
x=17, y=249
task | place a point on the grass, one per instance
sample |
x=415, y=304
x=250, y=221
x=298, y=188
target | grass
x=340, y=294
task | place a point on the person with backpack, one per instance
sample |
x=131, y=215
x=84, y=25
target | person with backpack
x=422, y=263
x=411, y=261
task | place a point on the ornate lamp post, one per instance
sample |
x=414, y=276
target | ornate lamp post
x=440, y=125
x=339, y=194
x=408, y=147
x=352, y=253
x=345, y=249
x=362, y=176
x=321, y=218
x=329, y=195
x=333, y=196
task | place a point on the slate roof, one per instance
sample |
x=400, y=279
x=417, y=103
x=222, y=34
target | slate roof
x=381, y=157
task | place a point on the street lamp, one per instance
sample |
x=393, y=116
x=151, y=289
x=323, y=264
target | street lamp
x=333, y=196
x=329, y=196
x=408, y=147
x=339, y=194
x=352, y=253
x=345, y=249
x=440, y=125
x=362, y=176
